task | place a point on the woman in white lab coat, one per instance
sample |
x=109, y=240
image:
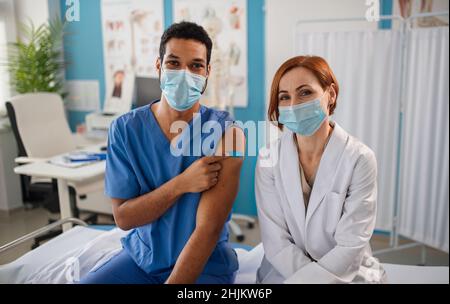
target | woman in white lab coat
x=316, y=187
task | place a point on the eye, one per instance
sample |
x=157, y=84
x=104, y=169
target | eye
x=283, y=97
x=197, y=66
x=303, y=93
x=173, y=63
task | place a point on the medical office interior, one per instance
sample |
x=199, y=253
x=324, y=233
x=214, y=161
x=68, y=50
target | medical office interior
x=390, y=57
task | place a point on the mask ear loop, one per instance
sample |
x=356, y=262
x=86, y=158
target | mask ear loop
x=159, y=74
x=206, y=83
x=328, y=106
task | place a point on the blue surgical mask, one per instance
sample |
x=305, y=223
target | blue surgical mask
x=304, y=119
x=181, y=88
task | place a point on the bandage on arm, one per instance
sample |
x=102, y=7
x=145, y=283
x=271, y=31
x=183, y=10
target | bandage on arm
x=232, y=143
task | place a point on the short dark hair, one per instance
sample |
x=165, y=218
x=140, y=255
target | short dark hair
x=186, y=30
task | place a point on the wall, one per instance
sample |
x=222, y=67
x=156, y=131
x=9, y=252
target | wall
x=83, y=49
x=34, y=10
x=7, y=34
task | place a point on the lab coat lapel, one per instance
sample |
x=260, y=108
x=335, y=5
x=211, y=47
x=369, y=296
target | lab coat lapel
x=326, y=172
x=290, y=176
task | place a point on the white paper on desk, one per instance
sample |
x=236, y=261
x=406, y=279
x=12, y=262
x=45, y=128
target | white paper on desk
x=64, y=162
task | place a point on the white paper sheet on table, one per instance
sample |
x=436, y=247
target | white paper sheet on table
x=63, y=162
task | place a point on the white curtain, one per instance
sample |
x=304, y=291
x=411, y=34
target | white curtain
x=367, y=67
x=424, y=213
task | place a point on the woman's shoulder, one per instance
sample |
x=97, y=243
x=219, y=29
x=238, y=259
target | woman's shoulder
x=359, y=147
x=356, y=149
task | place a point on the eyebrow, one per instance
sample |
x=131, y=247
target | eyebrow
x=173, y=56
x=199, y=60
x=301, y=86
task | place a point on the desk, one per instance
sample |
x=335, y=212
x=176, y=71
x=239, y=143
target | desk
x=64, y=176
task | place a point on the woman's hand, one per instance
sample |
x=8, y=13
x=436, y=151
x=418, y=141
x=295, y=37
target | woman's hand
x=202, y=175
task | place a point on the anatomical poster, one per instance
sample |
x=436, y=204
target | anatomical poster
x=131, y=33
x=226, y=23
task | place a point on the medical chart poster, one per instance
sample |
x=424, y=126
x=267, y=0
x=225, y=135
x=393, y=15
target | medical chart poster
x=226, y=23
x=131, y=33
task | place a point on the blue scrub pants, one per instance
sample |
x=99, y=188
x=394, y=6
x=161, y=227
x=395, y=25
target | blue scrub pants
x=121, y=269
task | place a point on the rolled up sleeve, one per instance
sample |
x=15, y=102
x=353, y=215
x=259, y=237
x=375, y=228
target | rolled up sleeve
x=120, y=178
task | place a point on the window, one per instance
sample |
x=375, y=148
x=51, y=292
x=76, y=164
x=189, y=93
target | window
x=7, y=33
x=4, y=81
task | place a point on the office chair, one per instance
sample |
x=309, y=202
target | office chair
x=41, y=131
x=236, y=230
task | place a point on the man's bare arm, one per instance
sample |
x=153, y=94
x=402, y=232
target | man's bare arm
x=146, y=208
x=142, y=210
x=214, y=208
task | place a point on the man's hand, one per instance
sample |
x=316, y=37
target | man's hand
x=201, y=175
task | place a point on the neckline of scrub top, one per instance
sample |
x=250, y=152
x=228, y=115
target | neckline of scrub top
x=162, y=138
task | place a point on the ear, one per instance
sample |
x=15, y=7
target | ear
x=158, y=65
x=332, y=93
x=208, y=71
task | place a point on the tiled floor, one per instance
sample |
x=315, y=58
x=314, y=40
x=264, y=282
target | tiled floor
x=21, y=222
x=24, y=221
x=17, y=224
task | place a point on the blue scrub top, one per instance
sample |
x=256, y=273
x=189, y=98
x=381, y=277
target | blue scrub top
x=139, y=160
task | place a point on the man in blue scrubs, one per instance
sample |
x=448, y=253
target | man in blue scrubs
x=176, y=206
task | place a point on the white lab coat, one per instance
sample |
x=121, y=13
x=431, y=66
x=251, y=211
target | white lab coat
x=328, y=243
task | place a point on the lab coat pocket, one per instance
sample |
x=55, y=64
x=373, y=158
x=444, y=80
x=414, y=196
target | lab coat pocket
x=334, y=203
